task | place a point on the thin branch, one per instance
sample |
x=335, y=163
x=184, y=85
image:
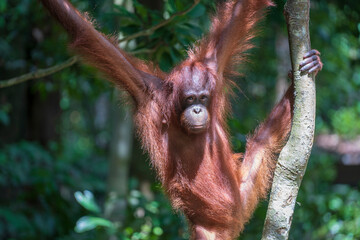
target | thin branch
x=39, y=73
x=71, y=61
x=143, y=51
x=149, y=31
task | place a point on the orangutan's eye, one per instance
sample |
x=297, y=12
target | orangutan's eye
x=190, y=100
x=203, y=98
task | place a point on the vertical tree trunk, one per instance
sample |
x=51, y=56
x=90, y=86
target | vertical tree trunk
x=121, y=143
x=43, y=116
x=32, y=116
x=120, y=155
x=293, y=159
x=120, y=152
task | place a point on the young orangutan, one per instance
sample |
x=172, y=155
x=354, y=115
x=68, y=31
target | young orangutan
x=180, y=116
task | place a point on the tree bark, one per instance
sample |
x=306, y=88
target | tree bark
x=293, y=159
x=120, y=155
x=120, y=152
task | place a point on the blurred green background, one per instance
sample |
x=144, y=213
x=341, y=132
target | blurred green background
x=70, y=167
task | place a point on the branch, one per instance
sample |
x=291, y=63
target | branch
x=333, y=143
x=294, y=157
x=71, y=61
x=39, y=73
x=149, y=31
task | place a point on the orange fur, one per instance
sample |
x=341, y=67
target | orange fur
x=215, y=188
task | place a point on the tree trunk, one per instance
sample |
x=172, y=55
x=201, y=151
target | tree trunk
x=293, y=159
x=120, y=152
x=120, y=155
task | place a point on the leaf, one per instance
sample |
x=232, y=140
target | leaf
x=4, y=118
x=197, y=12
x=158, y=231
x=179, y=5
x=3, y=4
x=141, y=10
x=87, y=200
x=88, y=223
x=171, y=6
x=17, y=221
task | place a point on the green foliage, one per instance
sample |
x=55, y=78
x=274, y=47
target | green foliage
x=33, y=190
x=4, y=116
x=88, y=223
x=145, y=218
x=165, y=46
x=86, y=200
x=337, y=37
x=345, y=121
x=152, y=218
x=42, y=187
x=326, y=211
x=342, y=220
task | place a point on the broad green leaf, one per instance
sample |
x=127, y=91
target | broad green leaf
x=198, y=11
x=87, y=200
x=88, y=223
x=4, y=118
x=158, y=231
